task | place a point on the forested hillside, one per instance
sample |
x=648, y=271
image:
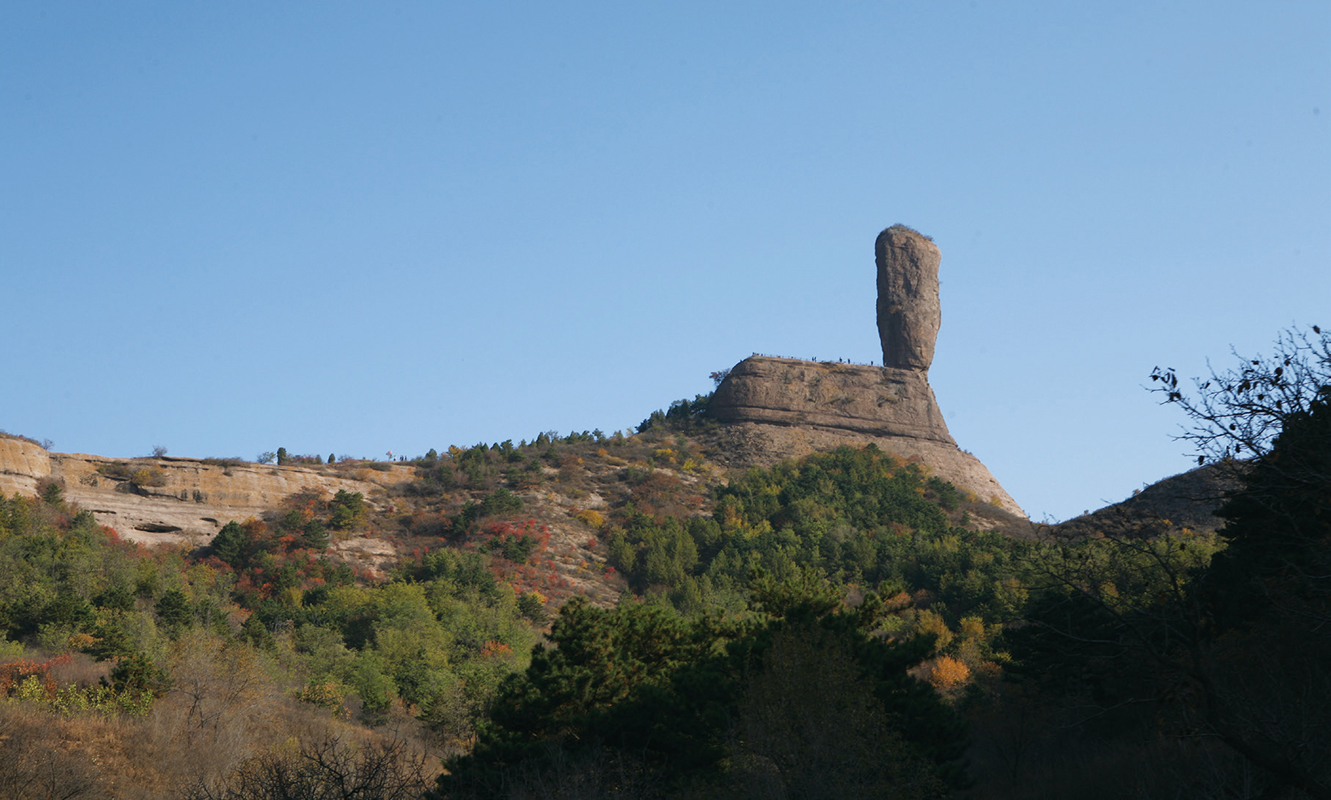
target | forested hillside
x=618, y=616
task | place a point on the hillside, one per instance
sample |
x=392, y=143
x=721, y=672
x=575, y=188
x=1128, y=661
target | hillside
x=409, y=591
x=797, y=586
x=571, y=489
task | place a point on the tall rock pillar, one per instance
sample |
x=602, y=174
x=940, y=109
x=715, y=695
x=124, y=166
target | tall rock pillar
x=908, y=309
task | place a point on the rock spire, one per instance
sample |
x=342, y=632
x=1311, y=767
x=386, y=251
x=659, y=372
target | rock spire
x=908, y=309
x=776, y=408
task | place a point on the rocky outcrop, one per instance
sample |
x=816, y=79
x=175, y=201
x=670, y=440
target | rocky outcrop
x=179, y=499
x=909, y=311
x=877, y=401
x=785, y=408
x=22, y=465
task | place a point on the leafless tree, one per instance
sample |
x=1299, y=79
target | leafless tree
x=331, y=768
x=1239, y=412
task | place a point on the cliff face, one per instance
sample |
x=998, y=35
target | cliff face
x=778, y=408
x=784, y=408
x=187, y=498
x=877, y=401
x=22, y=465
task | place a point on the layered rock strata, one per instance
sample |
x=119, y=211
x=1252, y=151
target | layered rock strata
x=877, y=401
x=187, y=499
x=785, y=408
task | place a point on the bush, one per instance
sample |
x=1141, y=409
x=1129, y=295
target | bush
x=683, y=415
x=234, y=461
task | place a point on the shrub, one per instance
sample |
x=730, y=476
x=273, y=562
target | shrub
x=234, y=461
x=326, y=694
x=146, y=477
x=682, y=415
x=501, y=501
x=45, y=444
x=591, y=517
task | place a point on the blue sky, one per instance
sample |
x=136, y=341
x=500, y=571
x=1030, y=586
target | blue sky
x=357, y=228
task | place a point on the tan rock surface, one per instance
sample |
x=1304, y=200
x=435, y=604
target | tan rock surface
x=777, y=408
x=761, y=442
x=909, y=310
x=876, y=401
x=193, y=500
x=22, y=465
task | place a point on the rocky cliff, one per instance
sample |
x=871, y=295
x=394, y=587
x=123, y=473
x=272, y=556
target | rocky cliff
x=181, y=498
x=877, y=401
x=785, y=408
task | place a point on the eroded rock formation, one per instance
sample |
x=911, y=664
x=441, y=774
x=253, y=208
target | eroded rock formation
x=784, y=408
x=187, y=498
x=909, y=311
x=876, y=401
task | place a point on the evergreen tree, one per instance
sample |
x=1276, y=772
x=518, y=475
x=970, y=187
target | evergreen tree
x=230, y=544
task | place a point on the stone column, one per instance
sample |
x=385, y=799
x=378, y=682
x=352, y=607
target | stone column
x=908, y=308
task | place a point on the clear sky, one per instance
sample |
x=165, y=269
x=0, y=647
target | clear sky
x=355, y=227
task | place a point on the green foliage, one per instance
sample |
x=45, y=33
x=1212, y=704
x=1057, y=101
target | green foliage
x=500, y=501
x=1279, y=525
x=173, y=610
x=138, y=474
x=682, y=415
x=640, y=679
x=315, y=535
x=51, y=493
x=348, y=510
x=857, y=516
x=436, y=640
x=138, y=674
x=225, y=463
x=1161, y=631
x=532, y=606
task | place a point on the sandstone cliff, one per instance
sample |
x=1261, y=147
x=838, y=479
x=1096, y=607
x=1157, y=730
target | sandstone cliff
x=877, y=401
x=779, y=408
x=187, y=498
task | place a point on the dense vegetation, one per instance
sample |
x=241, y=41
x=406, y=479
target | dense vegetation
x=111, y=630
x=829, y=627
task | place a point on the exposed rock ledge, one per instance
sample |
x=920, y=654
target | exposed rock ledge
x=778, y=408
x=193, y=501
x=877, y=401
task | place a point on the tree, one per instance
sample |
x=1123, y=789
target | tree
x=1275, y=413
x=1238, y=649
x=348, y=510
x=174, y=610
x=660, y=694
x=1239, y=412
x=326, y=769
x=808, y=725
x=315, y=535
x=231, y=544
